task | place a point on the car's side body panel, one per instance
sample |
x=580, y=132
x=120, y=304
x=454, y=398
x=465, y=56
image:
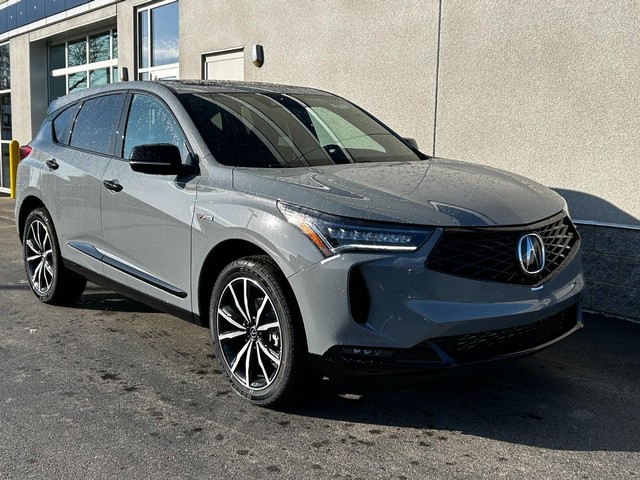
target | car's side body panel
x=147, y=227
x=71, y=193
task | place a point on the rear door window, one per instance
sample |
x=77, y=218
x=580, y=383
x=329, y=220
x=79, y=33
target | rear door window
x=96, y=125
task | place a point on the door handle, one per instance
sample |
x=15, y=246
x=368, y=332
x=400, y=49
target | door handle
x=52, y=164
x=112, y=185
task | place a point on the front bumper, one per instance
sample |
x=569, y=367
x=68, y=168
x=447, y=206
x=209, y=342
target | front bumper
x=455, y=350
x=415, y=317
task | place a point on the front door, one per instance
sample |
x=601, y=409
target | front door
x=146, y=219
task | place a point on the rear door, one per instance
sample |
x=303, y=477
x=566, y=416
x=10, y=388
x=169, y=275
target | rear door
x=84, y=136
x=146, y=219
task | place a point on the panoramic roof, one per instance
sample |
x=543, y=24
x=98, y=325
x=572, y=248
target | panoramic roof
x=204, y=86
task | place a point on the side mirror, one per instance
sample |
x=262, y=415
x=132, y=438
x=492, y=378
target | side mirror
x=158, y=159
x=411, y=142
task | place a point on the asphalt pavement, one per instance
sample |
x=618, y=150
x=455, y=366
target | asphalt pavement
x=109, y=388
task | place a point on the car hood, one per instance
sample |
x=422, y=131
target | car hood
x=430, y=192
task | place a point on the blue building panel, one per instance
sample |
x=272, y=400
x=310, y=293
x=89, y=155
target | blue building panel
x=53, y=7
x=75, y=3
x=21, y=13
x=35, y=10
x=24, y=12
x=12, y=16
x=4, y=27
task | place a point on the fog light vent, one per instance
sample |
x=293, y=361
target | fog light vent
x=359, y=299
x=367, y=352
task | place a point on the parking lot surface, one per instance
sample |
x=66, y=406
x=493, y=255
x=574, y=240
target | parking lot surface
x=112, y=389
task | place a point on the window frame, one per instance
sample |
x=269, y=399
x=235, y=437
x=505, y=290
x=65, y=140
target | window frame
x=88, y=67
x=113, y=141
x=189, y=157
x=4, y=142
x=70, y=123
x=147, y=73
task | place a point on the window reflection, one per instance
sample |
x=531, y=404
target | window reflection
x=77, y=52
x=99, y=77
x=164, y=35
x=97, y=53
x=5, y=71
x=99, y=46
x=158, y=52
x=77, y=81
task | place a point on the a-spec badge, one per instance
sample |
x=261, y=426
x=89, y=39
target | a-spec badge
x=531, y=254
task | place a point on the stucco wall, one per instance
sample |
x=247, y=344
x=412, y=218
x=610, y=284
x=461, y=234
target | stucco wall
x=549, y=90
x=380, y=54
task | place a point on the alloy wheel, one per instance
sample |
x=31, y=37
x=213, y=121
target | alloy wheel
x=249, y=333
x=39, y=255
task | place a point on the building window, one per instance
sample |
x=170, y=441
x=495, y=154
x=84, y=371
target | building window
x=83, y=62
x=158, y=40
x=5, y=112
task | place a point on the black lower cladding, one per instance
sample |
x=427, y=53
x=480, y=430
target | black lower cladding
x=458, y=349
x=472, y=347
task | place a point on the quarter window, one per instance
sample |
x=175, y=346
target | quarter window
x=96, y=125
x=62, y=125
x=150, y=122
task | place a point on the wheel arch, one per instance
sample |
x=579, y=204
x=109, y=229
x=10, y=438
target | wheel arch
x=28, y=205
x=219, y=257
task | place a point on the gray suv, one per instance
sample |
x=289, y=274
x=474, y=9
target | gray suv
x=302, y=231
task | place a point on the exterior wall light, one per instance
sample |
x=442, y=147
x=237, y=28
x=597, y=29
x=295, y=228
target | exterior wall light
x=257, y=55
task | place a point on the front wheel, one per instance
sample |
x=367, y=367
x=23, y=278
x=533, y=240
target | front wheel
x=257, y=333
x=49, y=279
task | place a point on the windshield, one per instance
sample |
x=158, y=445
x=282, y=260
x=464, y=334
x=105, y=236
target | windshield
x=284, y=130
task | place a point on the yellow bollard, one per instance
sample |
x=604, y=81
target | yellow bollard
x=14, y=158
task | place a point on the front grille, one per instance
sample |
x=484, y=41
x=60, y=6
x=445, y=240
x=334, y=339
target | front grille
x=496, y=343
x=490, y=253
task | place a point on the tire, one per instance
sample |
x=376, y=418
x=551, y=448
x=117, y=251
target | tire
x=50, y=281
x=257, y=332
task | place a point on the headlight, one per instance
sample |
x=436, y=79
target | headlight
x=333, y=234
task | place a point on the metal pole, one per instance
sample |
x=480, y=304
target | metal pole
x=14, y=158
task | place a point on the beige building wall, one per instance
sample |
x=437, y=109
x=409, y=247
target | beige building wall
x=549, y=90
x=379, y=54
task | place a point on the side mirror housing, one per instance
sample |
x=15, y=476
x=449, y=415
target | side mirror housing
x=158, y=159
x=411, y=142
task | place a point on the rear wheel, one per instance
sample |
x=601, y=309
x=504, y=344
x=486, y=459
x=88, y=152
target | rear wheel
x=256, y=331
x=50, y=281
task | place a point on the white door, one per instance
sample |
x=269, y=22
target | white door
x=227, y=65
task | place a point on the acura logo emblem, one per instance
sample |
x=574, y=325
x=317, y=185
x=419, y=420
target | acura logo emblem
x=531, y=253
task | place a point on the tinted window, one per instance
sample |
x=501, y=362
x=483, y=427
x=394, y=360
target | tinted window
x=231, y=136
x=272, y=129
x=62, y=125
x=96, y=124
x=150, y=122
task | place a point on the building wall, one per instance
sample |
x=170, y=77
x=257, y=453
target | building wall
x=378, y=54
x=549, y=90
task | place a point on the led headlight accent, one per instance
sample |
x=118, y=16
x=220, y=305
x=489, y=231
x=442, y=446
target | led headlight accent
x=333, y=234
